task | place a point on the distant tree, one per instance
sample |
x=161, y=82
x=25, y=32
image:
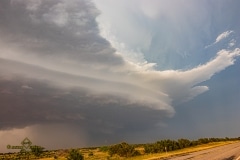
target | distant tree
x=74, y=154
x=227, y=139
x=37, y=150
x=203, y=140
x=184, y=143
x=123, y=149
x=104, y=148
x=194, y=143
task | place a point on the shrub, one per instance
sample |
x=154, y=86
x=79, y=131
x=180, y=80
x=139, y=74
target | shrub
x=90, y=154
x=104, y=148
x=74, y=154
x=123, y=150
x=37, y=150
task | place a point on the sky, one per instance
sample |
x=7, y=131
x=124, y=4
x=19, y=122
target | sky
x=82, y=73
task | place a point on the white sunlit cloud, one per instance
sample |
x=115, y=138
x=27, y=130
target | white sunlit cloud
x=232, y=43
x=221, y=37
x=135, y=57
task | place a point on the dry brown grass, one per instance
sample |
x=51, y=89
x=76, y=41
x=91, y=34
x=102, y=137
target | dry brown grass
x=93, y=154
x=181, y=151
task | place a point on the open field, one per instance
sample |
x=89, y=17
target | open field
x=93, y=154
x=104, y=152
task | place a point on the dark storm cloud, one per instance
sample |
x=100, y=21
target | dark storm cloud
x=63, y=32
x=100, y=116
x=55, y=28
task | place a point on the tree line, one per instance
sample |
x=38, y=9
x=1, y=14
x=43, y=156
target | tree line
x=127, y=150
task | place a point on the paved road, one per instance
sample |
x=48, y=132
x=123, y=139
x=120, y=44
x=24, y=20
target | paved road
x=226, y=152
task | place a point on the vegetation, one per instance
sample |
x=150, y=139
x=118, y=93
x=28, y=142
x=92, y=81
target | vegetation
x=75, y=155
x=172, y=145
x=104, y=148
x=37, y=150
x=122, y=151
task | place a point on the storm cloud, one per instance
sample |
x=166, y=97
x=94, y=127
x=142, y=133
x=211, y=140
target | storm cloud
x=57, y=73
